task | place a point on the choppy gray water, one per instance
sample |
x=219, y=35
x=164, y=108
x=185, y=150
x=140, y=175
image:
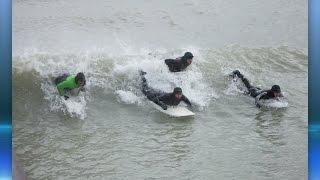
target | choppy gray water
x=110, y=132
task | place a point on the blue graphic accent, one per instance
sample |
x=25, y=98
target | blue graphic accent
x=5, y=90
x=314, y=89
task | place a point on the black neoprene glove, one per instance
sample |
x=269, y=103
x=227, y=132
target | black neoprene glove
x=163, y=106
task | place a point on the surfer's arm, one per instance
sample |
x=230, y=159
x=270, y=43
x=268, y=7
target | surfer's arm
x=260, y=96
x=186, y=100
x=163, y=105
x=158, y=101
x=82, y=89
x=172, y=64
x=61, y=87
x=169, y=61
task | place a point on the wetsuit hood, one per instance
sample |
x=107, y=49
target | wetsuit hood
x=186, y=56
x=80, y=77
x=276, y=89
x=177, y=90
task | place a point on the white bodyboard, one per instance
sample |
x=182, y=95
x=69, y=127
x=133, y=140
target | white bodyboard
x=174, y=111
x=271, y=103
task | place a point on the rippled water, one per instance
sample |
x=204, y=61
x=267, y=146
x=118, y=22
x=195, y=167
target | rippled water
x=110, y=132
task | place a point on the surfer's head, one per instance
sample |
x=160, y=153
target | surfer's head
x=80, y=79
x=275, y=89
x=187, y=57
x=177, y=92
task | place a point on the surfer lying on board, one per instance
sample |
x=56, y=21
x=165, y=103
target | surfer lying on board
x=257, y=93
x=179, y=64
x=163, y=99
x=68, y=82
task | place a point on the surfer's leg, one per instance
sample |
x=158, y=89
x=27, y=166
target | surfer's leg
x=244, y=80
x=150, y=93
x=144, y=85
x=146, y=89
x=253, y=91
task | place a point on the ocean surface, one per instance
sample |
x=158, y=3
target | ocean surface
x=111, y=132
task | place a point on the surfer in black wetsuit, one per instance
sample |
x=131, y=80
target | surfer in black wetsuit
x=179, y=64
x=257, y=93
x=162, y=98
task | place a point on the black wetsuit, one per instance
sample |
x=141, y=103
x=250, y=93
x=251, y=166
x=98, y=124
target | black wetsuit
x=177, y=65
x=255, y=91
x=161, y=98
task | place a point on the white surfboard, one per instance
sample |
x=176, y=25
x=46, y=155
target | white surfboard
x=174, y=111
x=272, y=103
